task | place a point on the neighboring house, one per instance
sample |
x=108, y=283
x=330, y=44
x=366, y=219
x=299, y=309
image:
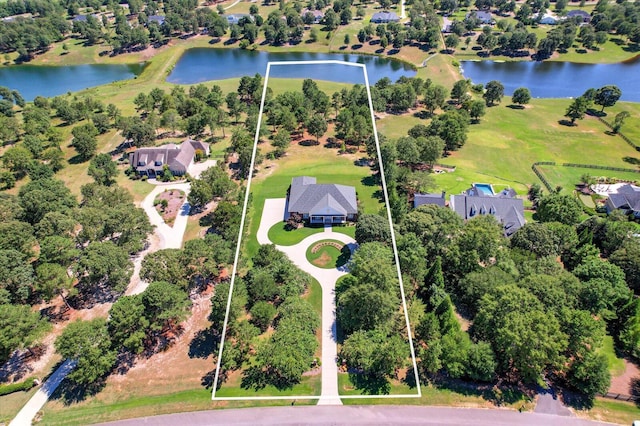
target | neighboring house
x=321, y=203
x=235, y=18
x=318, y=15
x=480, y=199
x=626, y=199
x=434, y=198
x=150, y=161
x=158, y=19
x=384, y=17
x=585, y=16
x=83, y=18
x=547, y=18
x=485, y=18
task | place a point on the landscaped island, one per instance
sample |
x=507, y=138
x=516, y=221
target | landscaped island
x=85, y=276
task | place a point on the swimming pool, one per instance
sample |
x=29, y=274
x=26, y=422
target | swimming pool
x=484, y=189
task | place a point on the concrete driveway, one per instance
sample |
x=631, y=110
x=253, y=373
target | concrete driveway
x=272, y=213
x=170, y=236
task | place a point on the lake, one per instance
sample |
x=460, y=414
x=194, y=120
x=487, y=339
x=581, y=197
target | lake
x=204, y=64
x=49, y=81
x=557, y=79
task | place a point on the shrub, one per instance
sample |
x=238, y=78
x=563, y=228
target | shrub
x=16, y=387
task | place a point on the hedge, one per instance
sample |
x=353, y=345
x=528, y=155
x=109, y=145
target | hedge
x=16, y=387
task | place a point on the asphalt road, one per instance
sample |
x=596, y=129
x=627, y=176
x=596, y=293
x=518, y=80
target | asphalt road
x=359, y=415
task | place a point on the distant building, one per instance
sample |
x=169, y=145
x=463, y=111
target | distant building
x=318, y=15
x=158, y=19
x=321, y=203
x=547, y=18
x=434, y=198
x=485, y=18
x=481, y=200
x=150, y=161
x=585, y=16
x=626, y=199
x=384, y=17
x=236, y=18
x=83, y=18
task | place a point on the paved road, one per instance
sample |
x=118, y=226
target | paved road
x=37, y=401
x=359, y=415
x=549, y=403
x=272, y=213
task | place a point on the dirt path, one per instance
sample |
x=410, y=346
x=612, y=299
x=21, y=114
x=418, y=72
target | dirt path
x=623, y=384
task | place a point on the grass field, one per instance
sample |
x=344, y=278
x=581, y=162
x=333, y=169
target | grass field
x=280, y=235
x=567, y=177
x=328, y=256
x=616, y=365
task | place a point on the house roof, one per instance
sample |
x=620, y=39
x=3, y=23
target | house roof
x=158, y=19
x=308, y=197
x=315, y=13
x=484, y=17
x=628, y=200
x=178, y=157
x=582, y=13
x=432, y=198
x=385, y=16
x=508, y=211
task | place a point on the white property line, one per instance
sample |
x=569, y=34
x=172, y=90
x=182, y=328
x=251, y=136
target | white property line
x=240, y=234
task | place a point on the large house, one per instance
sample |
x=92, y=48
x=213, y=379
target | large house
x=480, y=199
x=384, y=17
x=485, y=18
x=626, y=199
x=584, y=16
x=151, y=161
x=318, y=15
x=321, y=203
x=431, y=198
x=236, y=18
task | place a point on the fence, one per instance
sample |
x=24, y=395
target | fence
x=626, y=139
x=546, y=183
x=620, y=396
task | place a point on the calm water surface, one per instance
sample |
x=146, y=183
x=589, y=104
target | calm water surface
x=557, y=79
x=204, y=64
x=49, y=81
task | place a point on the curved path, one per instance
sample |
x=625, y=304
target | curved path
x=359, y=415
x=272, y=213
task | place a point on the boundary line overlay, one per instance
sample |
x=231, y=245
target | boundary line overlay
x=242, y=224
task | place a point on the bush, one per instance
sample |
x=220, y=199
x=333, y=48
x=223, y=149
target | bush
x=478, y=88
x=16, y=387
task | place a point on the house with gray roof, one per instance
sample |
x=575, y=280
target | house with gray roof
x=506, y=208
x=150, y=161
x=158, y=19
x=626, y=199
x=432, y=198
x=581, y=14
x=485, y=18
x=321, y=203
x=318, y=15
x=236, y=18
x=384, y=17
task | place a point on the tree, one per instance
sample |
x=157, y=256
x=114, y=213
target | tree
x=84, y=140
x=20, y=327
x=372, y=227
x=52, y=280
x=317, y=126
x=262, y=314
x=521, y=96
x=165, y=305
x=106, y=263
x=451, y=42
x=577, y=109
x=89, y=343
x=459, y=90
x=558, y=208
x=590, y=375
x=103, y=169
x=494, y=90
x=434, y=97
x=607, y=96
x=627, y=257
x=40, y=197
x=476, y=110
x=619, y=119
x=347, y=39
x=17, y=160
x=128, y=324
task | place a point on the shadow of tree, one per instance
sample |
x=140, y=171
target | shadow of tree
x=631, y=160
x=203, y=344
x=254, y=378
x=370, y=385
x=70, y=392
x=345, y=255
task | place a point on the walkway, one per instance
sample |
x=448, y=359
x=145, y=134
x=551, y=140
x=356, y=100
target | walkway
x=273, y=213
x=359, y=415
x=37, y=401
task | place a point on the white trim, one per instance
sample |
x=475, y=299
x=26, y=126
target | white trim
x=240, y=234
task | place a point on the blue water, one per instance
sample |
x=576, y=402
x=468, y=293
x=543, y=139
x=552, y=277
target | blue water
x=204, y=64
x=557, y=79
x=49, y=81
x=484, y=188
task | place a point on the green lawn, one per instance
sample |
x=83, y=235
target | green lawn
x=616, y=365
x=567, y=177
x=280, y=235
x=395, y=387
x=346, y=230
x=309, y=385
x=504, y=145
x=328, y=256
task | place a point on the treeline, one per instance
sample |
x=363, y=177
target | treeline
x=52, y=246
x=269, y=294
